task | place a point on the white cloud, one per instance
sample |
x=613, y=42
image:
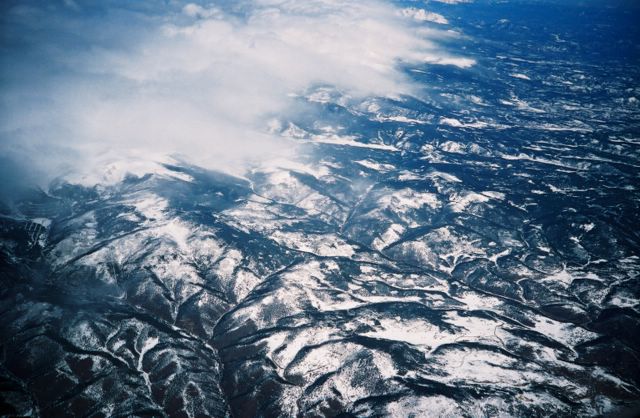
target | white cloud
x=422, y=15
x=454, y=1
x=198, y=80
x=195, y=10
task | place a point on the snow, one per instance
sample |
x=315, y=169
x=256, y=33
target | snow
x=391, y=235
x=400, y=119
x=563, y=277
x=406, y=199
x=458, y=202
x=375, y=166
x=421, y=332
x=179, y=233
x=520, y=76
x=457, y=124
x=444, y=176
x=150, y=206
x=349, y=141
x=521, y=105
x=453, y=147
x=148, y=345
x=44, y=222
x=408, y=176
x=566, y=333
x=494, y=195
x=588, y=227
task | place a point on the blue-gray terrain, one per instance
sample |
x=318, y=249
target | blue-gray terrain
x=471, y=253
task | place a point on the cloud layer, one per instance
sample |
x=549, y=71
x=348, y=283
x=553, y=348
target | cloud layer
x=81, y=81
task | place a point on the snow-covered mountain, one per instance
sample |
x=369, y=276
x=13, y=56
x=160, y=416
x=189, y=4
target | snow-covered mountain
x=473, y=252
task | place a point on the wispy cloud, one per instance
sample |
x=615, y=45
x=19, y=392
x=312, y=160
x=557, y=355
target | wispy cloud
x=199, y=80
